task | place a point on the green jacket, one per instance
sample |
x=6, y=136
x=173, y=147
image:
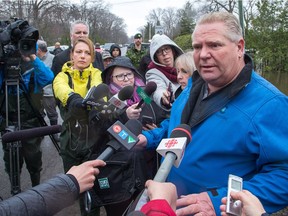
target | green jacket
x=136, y=55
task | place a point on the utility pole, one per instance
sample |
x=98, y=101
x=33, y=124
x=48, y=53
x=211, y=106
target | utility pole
x=241, y=16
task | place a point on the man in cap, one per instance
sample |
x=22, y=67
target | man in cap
x=107, y=58
x=136, y=52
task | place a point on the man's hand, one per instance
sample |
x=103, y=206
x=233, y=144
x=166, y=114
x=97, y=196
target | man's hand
x=85, y=173
x=195, y=204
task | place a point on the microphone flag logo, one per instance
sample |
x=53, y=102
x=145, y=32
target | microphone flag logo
x=171, y=143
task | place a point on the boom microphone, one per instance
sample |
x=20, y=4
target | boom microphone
x=30, y=133
x=145, y=95
x=173, y=150
x=118, y=100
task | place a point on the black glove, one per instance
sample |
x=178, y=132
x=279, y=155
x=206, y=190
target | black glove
x=102, y=111
x=75, y=106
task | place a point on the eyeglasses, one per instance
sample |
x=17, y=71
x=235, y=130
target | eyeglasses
x=166, y=49
x=121, y=77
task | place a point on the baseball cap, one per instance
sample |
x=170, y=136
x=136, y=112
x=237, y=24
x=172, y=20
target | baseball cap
x=106, y=55
x=138, y=35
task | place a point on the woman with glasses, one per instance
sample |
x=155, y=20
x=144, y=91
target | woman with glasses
x=143, y=163
x=163, y=52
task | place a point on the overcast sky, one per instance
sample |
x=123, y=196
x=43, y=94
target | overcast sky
x=134, y=12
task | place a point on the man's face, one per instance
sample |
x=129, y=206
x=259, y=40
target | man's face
x=138, y=41
x=79, y=31
x=217, y=59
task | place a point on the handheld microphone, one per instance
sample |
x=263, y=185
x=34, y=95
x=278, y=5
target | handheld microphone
x=94, y=94
x=119, y=99
x=173, y=150
x=124, y=136
x=30, y=133
x=146, y=93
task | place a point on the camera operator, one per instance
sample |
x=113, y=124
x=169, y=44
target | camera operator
x=33, y=76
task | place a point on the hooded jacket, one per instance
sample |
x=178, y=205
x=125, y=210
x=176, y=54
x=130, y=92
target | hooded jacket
x=151, y=110
x=155, y=75
x=113, y=46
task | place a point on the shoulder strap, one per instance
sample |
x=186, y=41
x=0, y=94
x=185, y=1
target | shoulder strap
x=70, y=83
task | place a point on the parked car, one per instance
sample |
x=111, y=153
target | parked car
x=107, y=46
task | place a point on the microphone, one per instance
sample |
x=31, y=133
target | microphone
x=124, y=136
x=30, y=133
x=146, y=93
x=94, y=94
x=173, y=150
x=118, y=100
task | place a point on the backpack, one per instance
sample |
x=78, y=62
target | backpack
x=122, y=178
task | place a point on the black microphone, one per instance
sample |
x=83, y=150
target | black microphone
x=94, y=94
x=150, y=88
x=173, y=150
x=118, y=100
x=124, y=136
x=30, y=133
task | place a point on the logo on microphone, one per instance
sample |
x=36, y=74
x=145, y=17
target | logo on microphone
x=123, y=135
x=171, y=143
x=117, y=128
x=117, y=103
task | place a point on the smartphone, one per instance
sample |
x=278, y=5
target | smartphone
x=234, y=207
x=147, y=120
x=171, y=92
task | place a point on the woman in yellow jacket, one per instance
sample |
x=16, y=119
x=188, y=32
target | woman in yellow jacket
x=70, y=87
x=78, y=137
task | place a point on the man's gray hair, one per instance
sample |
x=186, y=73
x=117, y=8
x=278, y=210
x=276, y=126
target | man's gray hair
x=233, y=27
x=42, y=45
x=78, y=22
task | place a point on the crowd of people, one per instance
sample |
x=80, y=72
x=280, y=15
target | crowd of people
x=237, y=119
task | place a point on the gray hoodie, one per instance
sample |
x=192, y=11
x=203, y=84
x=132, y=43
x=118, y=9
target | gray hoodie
x=157, y=76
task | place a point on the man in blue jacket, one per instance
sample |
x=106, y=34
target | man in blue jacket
x=238, y=122
x=33, y=76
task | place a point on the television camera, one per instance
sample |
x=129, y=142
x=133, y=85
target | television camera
x=16, y=38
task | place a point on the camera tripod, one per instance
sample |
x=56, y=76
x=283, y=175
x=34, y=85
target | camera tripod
x=13, y=147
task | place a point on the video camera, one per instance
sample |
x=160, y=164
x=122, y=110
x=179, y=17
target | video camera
x=16, y=38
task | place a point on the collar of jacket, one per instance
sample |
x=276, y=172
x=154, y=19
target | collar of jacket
x=193, y=114
x=76, y=74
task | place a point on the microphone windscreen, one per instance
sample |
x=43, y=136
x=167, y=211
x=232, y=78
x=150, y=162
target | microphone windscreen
x=102, y=90
x=182, y=130
x=150, y=88
x=134, y=126
x=30, y=133
x=126, y=93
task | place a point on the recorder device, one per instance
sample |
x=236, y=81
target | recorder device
x=233, y=207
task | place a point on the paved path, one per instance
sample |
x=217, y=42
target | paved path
x=52, y=165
